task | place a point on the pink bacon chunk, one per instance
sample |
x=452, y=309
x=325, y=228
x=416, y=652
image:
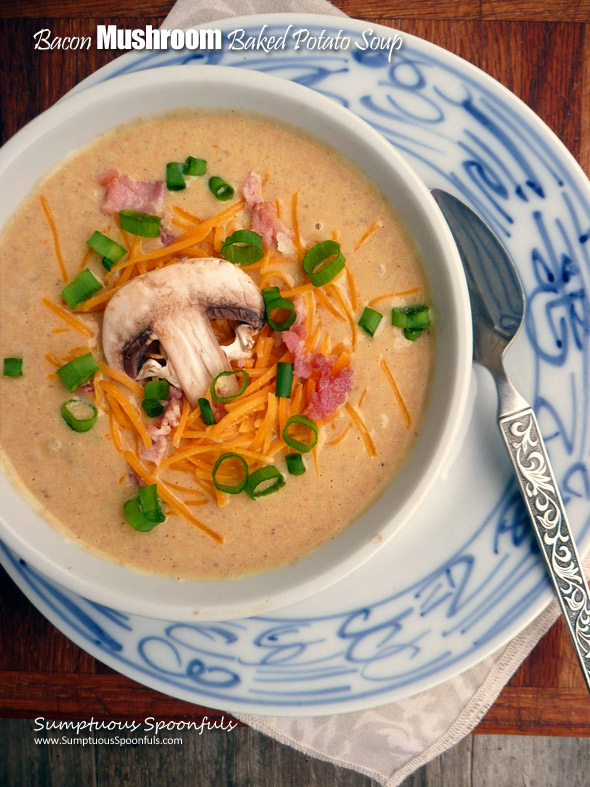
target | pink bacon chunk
x=331, y=390
x=125, y=193
x=159, y=430
x=265, y=221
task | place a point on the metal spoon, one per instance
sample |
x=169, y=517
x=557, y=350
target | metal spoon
x=497, y=304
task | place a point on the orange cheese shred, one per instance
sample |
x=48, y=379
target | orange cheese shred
x=68, y=318
x=353, y=294
x=295, y=225
x=376, y=225
x=166, y=494
x=357, y=420
x=182, y=423
x=129, y=410
x=397, y=393
x=325, y=301
x=399, y=294
x=121, y=378
x=341, y=436
x=342, y=361
x=191, y=238
x=338, y=296
x=53, y=229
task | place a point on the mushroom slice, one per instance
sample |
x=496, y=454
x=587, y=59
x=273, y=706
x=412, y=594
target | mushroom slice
x=172, y=306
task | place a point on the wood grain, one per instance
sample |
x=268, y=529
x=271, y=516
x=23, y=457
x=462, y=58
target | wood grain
x=541, y=51
x=84, y=9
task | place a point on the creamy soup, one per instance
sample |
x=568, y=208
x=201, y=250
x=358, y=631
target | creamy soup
x=298, y=193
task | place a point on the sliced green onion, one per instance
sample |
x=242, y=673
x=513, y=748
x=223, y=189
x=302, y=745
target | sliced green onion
x=259, y=477
x=370, y=320
x=206, y=412
x=175, y=176
x=150, y=503
x=295, y=464
x=231, y=489
x=318, y=265
x=302, y=421
x=13, y=367
x=220, y=189
x=137, y=223
x=245, y=380
x=110, y=251
x=153, y=407
x=412, y=319
x=284, y=379
x=195, y=166
x=411, y=335
x=77, y=372
x=156, y=389
x=280, y=304
x=144, y=512
x=270, y=294
x=80, y=289
x=79, y=414
x=243, y=247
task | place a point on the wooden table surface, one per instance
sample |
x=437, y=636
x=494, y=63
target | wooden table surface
x=541, y=51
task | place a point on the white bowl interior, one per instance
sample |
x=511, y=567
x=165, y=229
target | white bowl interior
x=76, y=121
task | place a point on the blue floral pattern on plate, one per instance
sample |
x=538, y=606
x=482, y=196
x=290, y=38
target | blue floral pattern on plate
x=414, y=616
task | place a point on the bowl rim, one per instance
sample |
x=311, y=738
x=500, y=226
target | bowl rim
x=63, y=112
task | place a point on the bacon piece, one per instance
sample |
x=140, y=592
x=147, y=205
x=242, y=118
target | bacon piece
x=302, y=366
x=166, y=238
x=331, y=391
x=294, y=338
x=219, y=410
x=135, y=479
x=86, y=387
x=265, y=221
x=125, y=193
x=159, y=430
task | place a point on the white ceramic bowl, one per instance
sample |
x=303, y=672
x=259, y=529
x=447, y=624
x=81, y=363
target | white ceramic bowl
x=73, y=123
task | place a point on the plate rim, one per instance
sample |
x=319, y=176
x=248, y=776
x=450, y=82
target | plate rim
x=545, y=597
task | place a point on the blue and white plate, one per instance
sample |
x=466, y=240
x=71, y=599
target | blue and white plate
x=464, y=576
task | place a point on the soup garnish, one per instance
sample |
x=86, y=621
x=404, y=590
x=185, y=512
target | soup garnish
x=220, y=347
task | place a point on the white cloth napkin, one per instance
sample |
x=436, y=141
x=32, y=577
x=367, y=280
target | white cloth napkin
x=389, y=742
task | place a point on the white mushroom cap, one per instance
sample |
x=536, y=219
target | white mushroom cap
x=173, y=305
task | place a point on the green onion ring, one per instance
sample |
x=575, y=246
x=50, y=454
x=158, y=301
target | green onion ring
x=264, y=474
x=77, y=372
x=220, y=189
x=156, y=389
x=280, y=303
x=370, y=319
x=217, y=398
x=137, y=223
x=153, y=407
x=80, y=288
x=195, y=166
x=231, y=489
x=175, y=176
x=243, y=247
x=295, y=464
x=318, y=255
x=206, y=412
x=270, y=294
x=75, y=423
x=143, y=512
x=284, y=382
x=13, y=367
x=303, y=421
x=413, y=320
x=149, y=503
x=110, y=251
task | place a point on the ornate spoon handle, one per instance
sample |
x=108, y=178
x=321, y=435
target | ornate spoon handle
x=522, y=436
